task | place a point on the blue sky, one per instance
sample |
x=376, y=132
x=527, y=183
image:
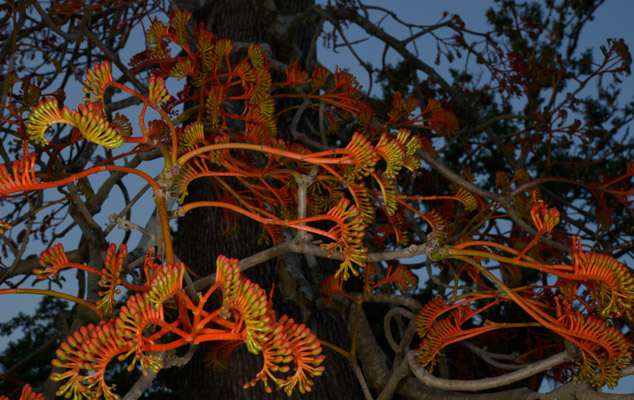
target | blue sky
x=612, y=20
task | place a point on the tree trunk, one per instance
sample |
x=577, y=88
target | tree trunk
x=199, y=242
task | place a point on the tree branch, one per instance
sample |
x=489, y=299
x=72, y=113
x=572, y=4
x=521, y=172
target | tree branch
x=170, y=360
x=487, y=383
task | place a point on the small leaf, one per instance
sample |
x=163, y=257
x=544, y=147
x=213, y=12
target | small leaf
x=217, y=354
x=158, y=93
x=155, y=40
x=43, y=115
x=192, y=134
x=165, y=282
x=467, y=199
x=402, y=276
x=349, y=231
x=4, y=226
x=8, y=81
x=52, y=260
x=122, y=124
x=295, y=75
x=247, y=299
x=365, y=156
x=442, y=121
x=93, y=126
x=110, y=277
x=98, y=79
x=22, y=177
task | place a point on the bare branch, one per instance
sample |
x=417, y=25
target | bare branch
x=170, y=359
x=487, y=383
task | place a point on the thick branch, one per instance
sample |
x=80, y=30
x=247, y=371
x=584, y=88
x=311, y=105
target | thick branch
x=487, y=383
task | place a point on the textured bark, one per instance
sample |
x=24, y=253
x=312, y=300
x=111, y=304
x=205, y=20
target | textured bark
x=199, y=242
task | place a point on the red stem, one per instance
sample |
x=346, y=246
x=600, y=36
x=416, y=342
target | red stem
x=51, y=293
x=293, y=224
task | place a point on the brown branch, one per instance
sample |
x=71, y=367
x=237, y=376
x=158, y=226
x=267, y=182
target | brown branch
x=46, y=20
x=303, y=183
x=455, y=178
x=487, y=383
x=170, y=360
x=84, y=219
x=375, y=365
x=361, y=378
x=126, y=209
x=20, y=252
x=489, y=357
x=387, y=329
x=301, y=245
x=390, y=298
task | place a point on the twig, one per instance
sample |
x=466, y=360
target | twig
x=20, y=252
x=126, y=225
x=128, y=206
x=79, y=32
x=87, y=224
x=488, y=357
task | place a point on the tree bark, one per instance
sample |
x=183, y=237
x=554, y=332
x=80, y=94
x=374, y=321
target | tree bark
x=199, y=241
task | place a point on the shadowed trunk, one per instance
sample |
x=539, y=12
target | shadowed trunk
x=199, y=241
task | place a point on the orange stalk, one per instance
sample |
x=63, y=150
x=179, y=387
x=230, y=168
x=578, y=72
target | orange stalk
x=269, y=150
x=156, y=348
x=543, y=318
x=335, y=348
x=293, y=223
x=502, y=247
x=47, y=185
x=165, y=229
x=219, y=337
x=453, y=252
x=51, y=293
